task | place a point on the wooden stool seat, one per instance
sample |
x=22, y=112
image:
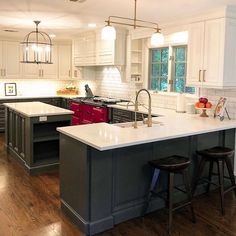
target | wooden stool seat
x=220, y=156
x=216, y=152
x=172, y=163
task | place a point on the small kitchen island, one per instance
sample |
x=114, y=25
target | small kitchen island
x=31, y=136
x=104, y=171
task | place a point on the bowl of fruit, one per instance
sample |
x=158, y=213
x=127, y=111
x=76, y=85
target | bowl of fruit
x=204, y=105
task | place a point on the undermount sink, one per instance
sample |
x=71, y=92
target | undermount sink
x=139, y=123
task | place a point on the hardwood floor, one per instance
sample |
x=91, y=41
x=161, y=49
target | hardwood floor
x=30, y=206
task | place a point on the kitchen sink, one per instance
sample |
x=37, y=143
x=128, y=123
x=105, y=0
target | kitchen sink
x=139, y=123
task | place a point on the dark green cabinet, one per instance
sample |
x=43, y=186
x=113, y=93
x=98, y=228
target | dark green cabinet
x=33, y=142
x=121, y=116
x=55, y=101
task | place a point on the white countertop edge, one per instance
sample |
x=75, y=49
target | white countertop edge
x=115, y=146
x=61, y=111
x=46, y=114
x=37, y=96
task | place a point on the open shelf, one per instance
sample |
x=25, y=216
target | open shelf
x=46, y=138
x=46, y=152
x=46, y=131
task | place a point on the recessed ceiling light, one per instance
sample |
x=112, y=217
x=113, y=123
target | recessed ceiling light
x=92, y=25
x=52, y=35
x=78, y=1
x=10, y=30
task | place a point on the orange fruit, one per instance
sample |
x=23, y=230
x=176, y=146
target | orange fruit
x=208, y=105
x=201, y=105
x=197, y=104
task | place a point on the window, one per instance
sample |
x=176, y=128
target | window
x=159, y=69
x=168, y=68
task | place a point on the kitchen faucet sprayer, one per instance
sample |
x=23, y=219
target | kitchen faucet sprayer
x=149, y=120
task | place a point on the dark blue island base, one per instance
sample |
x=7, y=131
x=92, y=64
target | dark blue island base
x=100, y=189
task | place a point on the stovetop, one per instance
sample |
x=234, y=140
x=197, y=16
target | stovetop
x=98, y=101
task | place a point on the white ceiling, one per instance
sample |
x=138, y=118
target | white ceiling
x=65, y=18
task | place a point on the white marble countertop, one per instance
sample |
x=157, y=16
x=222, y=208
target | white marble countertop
x=35, y=109
x=103, y=136
x=37, y=96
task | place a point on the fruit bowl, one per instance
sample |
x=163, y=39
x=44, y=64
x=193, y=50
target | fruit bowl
x=204, y=111
x=204, y=105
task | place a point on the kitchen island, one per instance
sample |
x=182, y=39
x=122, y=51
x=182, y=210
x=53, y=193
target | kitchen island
x=31, y=135
x=104, y=171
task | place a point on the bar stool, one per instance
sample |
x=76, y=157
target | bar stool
x=173, y=165
x=220, y=156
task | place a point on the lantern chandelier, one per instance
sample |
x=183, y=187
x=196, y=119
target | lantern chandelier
x=109, y=32
x=37, y=47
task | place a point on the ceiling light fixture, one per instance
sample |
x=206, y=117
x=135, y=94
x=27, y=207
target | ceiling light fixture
x=37, y=47
x=92, y=25
x=109, y=32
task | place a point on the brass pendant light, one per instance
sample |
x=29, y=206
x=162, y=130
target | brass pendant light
x=109, y=32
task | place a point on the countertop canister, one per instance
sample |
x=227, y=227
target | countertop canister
x=180, y=103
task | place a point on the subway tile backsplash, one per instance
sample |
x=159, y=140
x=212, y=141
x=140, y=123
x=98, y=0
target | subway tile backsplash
x=108, y=82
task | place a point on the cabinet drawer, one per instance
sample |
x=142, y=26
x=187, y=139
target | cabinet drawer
x=100, y=114
x=122, y=113
x=75, y=120
x=76, y=108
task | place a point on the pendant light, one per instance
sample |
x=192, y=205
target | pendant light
x=157, y=39
x=109, y=32
x=37, y=47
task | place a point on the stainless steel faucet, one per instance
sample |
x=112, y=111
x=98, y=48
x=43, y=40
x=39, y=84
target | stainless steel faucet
x=149, y=120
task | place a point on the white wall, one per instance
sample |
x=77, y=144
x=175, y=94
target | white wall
x=214, y=94
x=35, y=87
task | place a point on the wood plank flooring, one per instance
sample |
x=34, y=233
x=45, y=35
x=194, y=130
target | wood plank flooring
x=30, y=206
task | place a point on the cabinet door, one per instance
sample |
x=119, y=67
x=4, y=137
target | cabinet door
x=100, y=114
x=1, y=60
x=10, y=60
x=50, y=71
x=90, y=49
x=105, y=50
x=64, y=57
x=78, y=51
x=31, y=71
x=213, y=53
x=195, y=54
x=87, y=117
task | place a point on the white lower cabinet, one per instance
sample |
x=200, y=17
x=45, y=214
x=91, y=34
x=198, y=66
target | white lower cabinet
x=212, y=54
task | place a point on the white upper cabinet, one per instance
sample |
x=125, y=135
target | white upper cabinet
x=42, y=71
x=64, y=61
x=212, y=54
x=50, y=71
x=90, y=50
x=84, y=49
x=111, y=52
x=10, y=60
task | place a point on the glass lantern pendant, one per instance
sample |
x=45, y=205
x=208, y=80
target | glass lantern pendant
x=37, y=47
